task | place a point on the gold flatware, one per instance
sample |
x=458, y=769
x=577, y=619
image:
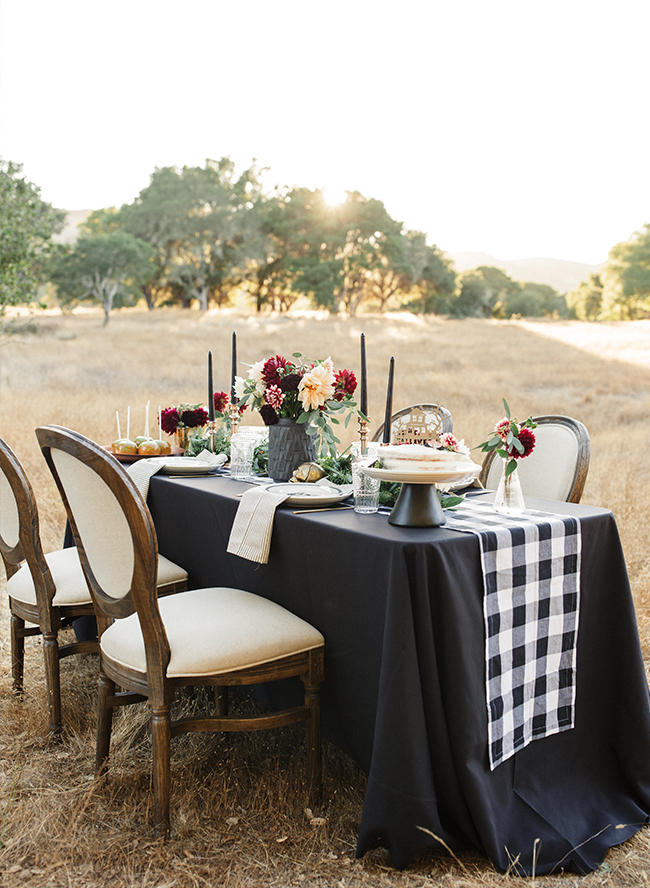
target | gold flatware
x=323, y=509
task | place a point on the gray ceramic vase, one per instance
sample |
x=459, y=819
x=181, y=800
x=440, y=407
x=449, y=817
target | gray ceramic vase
x=289, y=447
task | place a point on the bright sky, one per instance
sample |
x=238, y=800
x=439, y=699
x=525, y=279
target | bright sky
x=519, y=128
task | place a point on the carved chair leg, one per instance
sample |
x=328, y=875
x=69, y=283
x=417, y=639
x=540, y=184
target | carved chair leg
x=52, y=680
x=17, y=653
x=161, y=749
x=105, y=689
x=314, y=747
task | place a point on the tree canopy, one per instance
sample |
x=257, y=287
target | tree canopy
x=107, y=267
x=209, y=234
x=27, y=224
x=626, y=278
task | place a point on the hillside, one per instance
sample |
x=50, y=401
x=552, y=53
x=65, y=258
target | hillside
x=558, y=273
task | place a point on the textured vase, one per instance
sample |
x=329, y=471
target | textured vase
x=509, y=498
x=289, y=447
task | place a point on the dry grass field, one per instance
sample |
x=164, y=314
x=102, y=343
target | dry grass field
x=238, y=811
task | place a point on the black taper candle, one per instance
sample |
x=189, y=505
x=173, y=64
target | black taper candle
x=233, y=397
x=363, y=406
x=210, y=389
x=389, y=402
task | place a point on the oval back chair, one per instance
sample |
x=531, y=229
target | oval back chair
x=150, y=646
x=417, y=424
x=556, y=469
x=47, y=591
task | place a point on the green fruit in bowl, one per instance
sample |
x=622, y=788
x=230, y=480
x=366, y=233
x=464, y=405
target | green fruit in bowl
x=123, y=445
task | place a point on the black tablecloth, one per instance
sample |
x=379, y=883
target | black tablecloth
x=404, y=690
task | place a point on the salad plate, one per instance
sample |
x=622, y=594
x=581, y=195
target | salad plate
x=304, y=494
x=186, y=465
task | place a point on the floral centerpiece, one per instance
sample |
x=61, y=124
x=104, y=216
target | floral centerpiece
x=299, y=399
x=512, y=440
x=178, y=421
x=185, y=416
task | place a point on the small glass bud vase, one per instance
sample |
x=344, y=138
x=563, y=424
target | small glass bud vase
x=509, y=498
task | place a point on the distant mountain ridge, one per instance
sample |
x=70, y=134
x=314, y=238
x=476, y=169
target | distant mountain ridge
x=560, y=274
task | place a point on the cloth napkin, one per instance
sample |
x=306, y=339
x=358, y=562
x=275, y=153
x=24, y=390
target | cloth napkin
x=143, y=469
x=250, y=536
x=531, y=574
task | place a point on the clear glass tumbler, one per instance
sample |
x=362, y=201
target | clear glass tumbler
x=365, y=489
x=242, y=448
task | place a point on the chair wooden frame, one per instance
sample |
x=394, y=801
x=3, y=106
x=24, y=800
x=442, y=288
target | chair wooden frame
x=582, y=462
x=446, y=423
x=154, y=685
x=48, y=620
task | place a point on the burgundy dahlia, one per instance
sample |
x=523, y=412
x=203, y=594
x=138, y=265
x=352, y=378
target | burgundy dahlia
x=169, y=419
x=346, y=383
x=268, y=414
x=194, y=418
x=220, y=401
x=290, y=382
x=272, y=369
x=527, y=438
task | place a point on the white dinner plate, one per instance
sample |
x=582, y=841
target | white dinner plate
x=312, y=494
x=468, y=471
x=187, y=465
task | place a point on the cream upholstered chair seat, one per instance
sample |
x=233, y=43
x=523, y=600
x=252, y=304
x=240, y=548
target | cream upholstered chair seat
x=557, y=467
x=203, y=628
x=71, y=586
x=69, y=579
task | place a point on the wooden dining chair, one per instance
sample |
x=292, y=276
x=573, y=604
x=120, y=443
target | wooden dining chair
x=556, y=469
x=149, y=647
x=417, y=424
x=46, y=591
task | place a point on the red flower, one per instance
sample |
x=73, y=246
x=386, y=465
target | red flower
x=527, y=438
x=346, y=383
x=274, y=396
x=290, y=382
x=268, y=414
x=169, y=419
x=221, y=401
x=195, y=417
x=272, y=369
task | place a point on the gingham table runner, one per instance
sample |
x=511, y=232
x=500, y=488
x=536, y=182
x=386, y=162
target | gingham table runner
x=531, y=572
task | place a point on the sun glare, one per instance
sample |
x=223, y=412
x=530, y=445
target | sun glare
x=334, y=196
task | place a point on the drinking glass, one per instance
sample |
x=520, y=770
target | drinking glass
x=242, y=448
x=365, y=489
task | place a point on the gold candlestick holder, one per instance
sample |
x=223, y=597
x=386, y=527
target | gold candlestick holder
x=212, y=428
x=363, y=435
x=234, y=419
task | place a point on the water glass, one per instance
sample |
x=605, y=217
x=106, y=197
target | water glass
x=242, y=448
x=365, y=489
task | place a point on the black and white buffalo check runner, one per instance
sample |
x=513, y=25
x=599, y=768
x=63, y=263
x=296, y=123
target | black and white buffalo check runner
x=531, y=570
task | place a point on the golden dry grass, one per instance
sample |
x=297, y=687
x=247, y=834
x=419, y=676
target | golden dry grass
x=238, y=808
